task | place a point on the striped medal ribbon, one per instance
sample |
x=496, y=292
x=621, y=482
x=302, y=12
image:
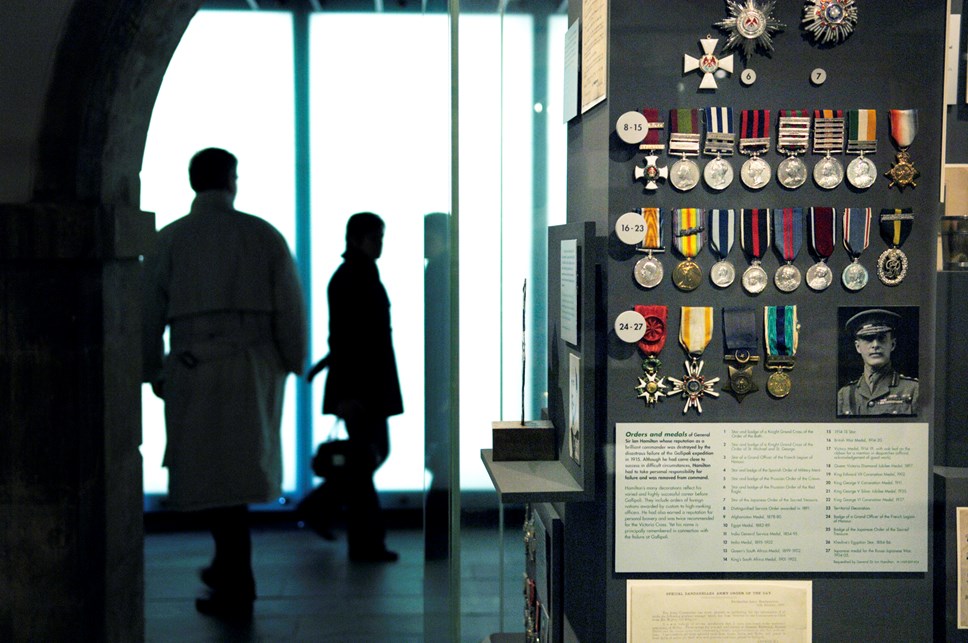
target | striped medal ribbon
x=781, y=334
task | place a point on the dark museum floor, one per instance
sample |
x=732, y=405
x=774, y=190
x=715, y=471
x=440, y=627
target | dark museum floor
x=309, y=591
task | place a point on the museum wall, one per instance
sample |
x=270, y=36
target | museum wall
x=894, y=59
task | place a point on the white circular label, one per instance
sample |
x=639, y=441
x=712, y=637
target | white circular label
x=818, y=76
x=632, y=127
x=748, y=77
x=630, y=228
x=630, y=326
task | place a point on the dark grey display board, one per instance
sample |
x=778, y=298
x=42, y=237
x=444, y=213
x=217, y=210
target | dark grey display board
x=893, y=60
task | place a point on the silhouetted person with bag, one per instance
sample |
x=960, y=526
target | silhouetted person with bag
x=225, y=284
x=362, y=386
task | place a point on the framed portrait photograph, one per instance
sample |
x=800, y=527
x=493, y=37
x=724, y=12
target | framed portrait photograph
x=877, y=361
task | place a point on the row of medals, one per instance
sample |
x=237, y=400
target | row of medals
x=687, y=275
x=756, y=173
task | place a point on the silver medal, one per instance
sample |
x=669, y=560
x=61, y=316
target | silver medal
x=718, y=173
x=754, y=279
x=892, y=267
x=791, y=172
x=755, y=173
x=861, y=172
x=722, y=274
x=819, y=276
x=648, y=272
x=828, y=173
x=787, y=278
x=854, y=276
x=684, y=174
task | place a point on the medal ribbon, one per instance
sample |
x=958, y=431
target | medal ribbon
x=754, y=128
x=653, y=138
x=857, y=230
x=755, y=231
x=684, y=121
x=862, y=127
x=695, y=328
x=823, y=231
x=895, y=225
x=739, y=330
x=904, y=126
x=721, y=231
x=654, y=219
x=780, y=330
x=793, y=137
x=719, y=131
x=656, y=331
x=689, y=234
x=828, y=130
x=719, y=120
x=788, y=231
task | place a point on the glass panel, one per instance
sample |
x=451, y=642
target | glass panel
x=220, y=91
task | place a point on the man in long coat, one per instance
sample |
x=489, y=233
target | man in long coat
x=225, y=284
x=362, y=387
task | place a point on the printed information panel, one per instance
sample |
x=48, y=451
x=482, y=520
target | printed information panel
x=771, y=497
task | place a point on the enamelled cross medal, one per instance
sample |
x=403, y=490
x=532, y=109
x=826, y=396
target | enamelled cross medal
x=695, y=331
x=651, y=385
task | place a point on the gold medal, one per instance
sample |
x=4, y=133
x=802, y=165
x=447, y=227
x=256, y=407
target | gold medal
x=779, y=384
x=903, y=172
x=687, y=275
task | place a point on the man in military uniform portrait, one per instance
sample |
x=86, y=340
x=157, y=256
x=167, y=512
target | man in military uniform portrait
x=881, y=389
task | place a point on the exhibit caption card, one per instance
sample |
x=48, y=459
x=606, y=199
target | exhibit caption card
x=768, y=497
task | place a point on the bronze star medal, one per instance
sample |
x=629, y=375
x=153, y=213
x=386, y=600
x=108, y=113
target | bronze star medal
x=903, y=172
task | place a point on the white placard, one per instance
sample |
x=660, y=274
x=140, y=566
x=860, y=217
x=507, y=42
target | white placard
x=768, y=497
x=594, y=52
x=569, y=291
x=709, y=610
x=570, y=106
x=630, y=228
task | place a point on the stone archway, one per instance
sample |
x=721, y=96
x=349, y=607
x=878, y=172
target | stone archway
x=71, y=532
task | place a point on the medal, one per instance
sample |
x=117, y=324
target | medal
x=895, y=226
x=793, y=137
x=857, y=235
x=781, y=333
x=651, y=174
x=787, y=238
x=684, y=141
x=695, y=331
x=823, y=230
x=688, y=236
x=651, y=385
x=904, y=127
x=721, y=239
x=739, y=337
x=718, y=173
x=830, y=21
x=828, y=139
x=754, y=239
x=861, y=140
x=750, y=25
x=648, y=270
x=754, y=140
x=709, y=64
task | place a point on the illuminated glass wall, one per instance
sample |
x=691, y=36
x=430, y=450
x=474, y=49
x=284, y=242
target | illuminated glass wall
x=379, y=118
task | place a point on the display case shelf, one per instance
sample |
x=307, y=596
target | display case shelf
x=531, y=480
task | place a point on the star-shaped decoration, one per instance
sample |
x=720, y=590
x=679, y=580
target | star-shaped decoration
x=652, y=173
x=694, y=386
x=740, y=382
x=902, y=172
x=650, y=387
x=709, y=64
x=750, y=25
x=830, y=20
